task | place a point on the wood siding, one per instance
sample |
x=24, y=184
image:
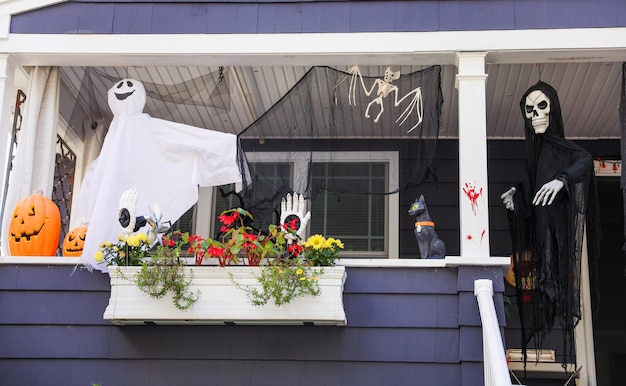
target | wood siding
x=416, y=326
x=194, y=17
x=406, y=326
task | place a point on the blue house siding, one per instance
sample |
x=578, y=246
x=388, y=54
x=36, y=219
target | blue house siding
x=235, y=17
x=406, y=326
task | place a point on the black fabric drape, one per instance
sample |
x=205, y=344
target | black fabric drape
x=550, y=237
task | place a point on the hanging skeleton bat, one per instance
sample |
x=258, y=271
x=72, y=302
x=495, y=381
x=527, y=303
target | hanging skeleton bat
x=384, y=87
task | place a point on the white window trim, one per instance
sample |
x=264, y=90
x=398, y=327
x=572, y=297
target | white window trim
x=206, y=206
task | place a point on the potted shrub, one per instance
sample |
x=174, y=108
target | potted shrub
x=260, y=277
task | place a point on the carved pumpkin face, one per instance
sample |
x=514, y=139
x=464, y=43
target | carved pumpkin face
x=74, y=242
x=35, y=227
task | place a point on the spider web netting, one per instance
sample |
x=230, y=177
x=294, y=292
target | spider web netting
x=319, y=130
x=316, y=140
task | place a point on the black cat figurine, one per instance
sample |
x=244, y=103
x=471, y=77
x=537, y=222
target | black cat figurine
x=431, y=247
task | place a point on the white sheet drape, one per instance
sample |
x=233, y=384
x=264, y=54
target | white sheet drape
x=33, y=165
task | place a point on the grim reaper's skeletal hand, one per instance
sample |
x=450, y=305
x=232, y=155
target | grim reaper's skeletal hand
x=293, y=208
x=507, y=198
x=547, y=193
x=126, y=211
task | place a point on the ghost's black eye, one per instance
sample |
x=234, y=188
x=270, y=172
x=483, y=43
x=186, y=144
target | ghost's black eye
x=120, y=85
x=129, y=83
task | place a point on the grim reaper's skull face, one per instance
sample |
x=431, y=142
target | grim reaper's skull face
x=538, y=111
x=128, y=96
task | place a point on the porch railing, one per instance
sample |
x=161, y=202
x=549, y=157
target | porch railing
x=496, y=370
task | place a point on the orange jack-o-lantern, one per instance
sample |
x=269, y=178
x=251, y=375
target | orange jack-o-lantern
x=74, y=242
x=35, y=227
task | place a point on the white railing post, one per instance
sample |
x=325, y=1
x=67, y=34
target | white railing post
x=495, y=367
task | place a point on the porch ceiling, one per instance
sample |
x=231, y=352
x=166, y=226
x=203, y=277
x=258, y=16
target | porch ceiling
x=589, y=94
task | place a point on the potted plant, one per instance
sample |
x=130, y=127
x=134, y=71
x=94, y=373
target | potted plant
x=161, y=271
x=260, y=277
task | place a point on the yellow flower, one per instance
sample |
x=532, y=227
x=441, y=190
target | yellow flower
x=143, y=237
x=299, y=271
x=302, y=278
x=98, y=257
x=315, y=242
x=133, y=241
x=338, y=243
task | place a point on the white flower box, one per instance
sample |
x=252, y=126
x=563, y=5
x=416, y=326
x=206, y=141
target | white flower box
x=221, y=302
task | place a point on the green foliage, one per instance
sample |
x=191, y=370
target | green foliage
x=164, y=272
x=238, y=241
x=284, y=280
x=321, y=251
x=129, y=250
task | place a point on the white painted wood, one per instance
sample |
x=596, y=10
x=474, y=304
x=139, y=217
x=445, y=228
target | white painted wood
x=583, y=333
x=222, y=302
x=495, y=367
x=473, y=195
x=372, y=48
x=449, y=261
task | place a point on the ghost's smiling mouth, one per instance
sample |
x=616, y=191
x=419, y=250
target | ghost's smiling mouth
x=121, y=97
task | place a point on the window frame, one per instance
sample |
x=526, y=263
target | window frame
x=206, y=200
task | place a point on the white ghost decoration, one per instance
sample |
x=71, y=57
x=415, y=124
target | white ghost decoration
x=164, y=161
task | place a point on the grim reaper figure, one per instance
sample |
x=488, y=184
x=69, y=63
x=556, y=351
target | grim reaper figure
x=547, y=216
x=163, y=161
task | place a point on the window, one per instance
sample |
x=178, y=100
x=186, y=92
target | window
x=365, y=223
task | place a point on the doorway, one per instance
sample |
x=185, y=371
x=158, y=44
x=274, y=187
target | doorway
x=609, y=306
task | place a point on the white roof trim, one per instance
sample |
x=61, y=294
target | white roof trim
x=12, y=7
x=520, y=46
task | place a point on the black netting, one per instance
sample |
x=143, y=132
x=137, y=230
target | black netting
x=325, y=112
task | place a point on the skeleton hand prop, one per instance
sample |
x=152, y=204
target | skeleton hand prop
x=507, y=198
x=126, y=212
x=547, y=193
x=292, y=209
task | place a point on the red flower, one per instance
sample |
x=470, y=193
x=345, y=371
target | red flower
x=294, y=249
x=215, y=252
x=228, y=219
x=249, y=236
x=291, y=225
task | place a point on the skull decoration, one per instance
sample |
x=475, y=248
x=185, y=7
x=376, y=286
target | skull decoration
x=538, y=111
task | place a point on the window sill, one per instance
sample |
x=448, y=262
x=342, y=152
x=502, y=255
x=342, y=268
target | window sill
x=450, y=261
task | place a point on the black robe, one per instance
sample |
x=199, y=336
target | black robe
x=550, y=237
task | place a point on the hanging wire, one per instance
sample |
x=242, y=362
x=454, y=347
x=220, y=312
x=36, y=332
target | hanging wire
x=539, y=69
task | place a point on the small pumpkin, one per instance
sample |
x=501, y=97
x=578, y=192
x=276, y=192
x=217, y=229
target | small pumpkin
x=74, y=242
x=35, y=227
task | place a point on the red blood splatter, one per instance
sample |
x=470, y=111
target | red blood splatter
x=473, y=194
x=469, y=237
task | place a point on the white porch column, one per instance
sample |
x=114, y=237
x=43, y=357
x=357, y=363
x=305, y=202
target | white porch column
x=473, y=197
x=7, y=102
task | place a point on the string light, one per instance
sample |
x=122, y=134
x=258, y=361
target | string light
x=604, y=166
